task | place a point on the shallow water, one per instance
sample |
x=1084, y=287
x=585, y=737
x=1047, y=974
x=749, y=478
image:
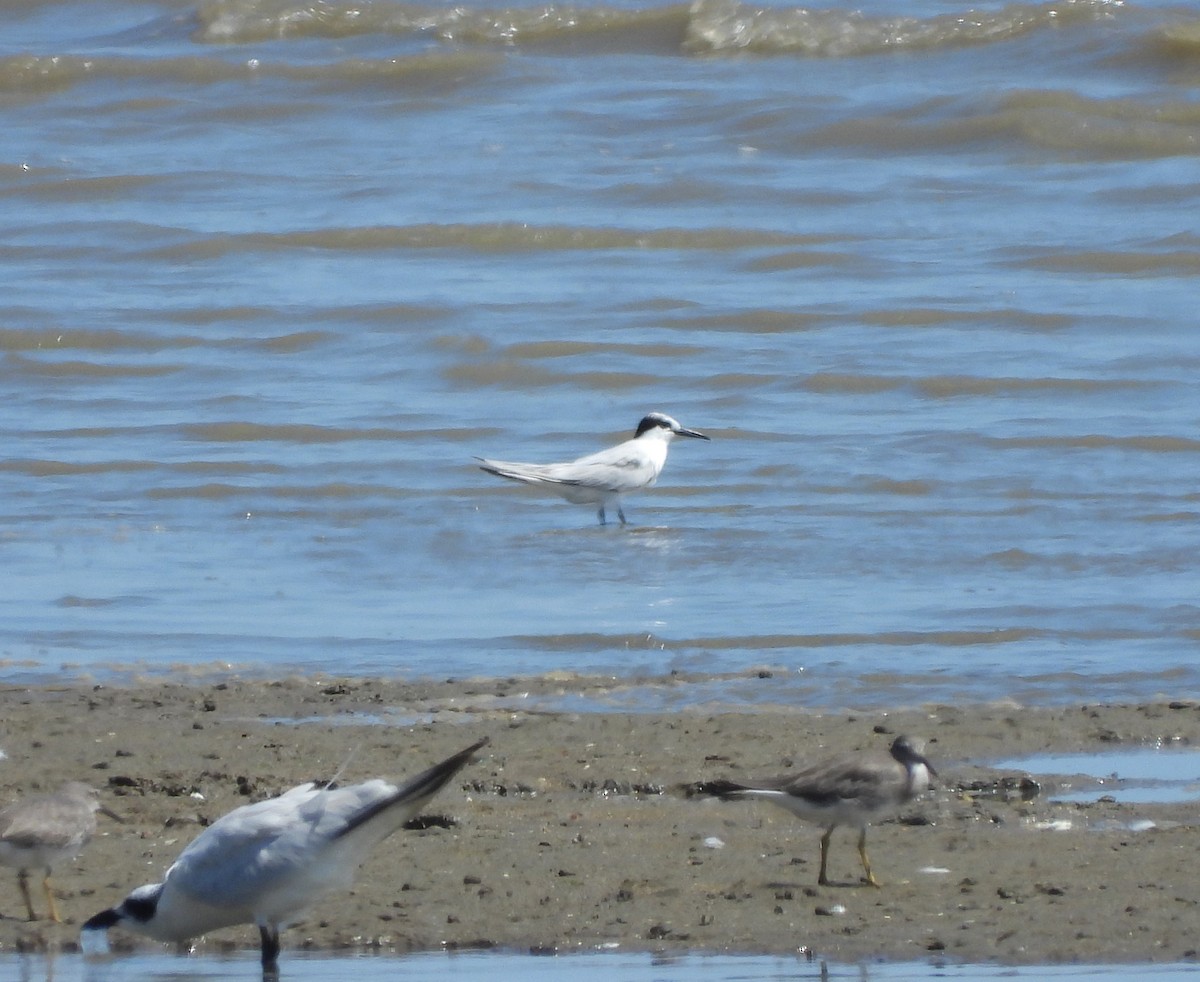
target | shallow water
x=471, y=967
x=275, y=272
x=1135, y=776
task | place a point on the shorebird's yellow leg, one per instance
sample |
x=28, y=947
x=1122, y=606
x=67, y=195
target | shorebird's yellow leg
x=862, y=854
x=821, y=877
x=50, y=899
x=23, y=883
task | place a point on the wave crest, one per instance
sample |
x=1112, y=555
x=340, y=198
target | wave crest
x=704, y=27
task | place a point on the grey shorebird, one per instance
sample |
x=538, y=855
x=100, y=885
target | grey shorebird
x=269, y=862
x=853, y=789
x=43, y=830
x=603, y=477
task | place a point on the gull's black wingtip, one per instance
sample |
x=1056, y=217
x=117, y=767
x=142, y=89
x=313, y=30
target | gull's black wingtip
x=477, y=745
x=417, y=791
x=439, y=775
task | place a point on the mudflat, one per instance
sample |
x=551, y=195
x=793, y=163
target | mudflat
x=576, y=831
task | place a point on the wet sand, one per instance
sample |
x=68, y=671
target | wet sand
x=574, y=832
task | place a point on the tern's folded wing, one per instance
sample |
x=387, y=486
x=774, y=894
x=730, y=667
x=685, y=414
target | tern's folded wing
x=625, y=473
x=618, y=469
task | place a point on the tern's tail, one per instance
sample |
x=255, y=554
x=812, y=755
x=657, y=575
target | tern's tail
x=416, y=792
x=525, y=473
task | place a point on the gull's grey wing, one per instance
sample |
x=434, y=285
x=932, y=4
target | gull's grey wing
x=227, y=863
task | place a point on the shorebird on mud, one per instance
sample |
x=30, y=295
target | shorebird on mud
x=43, y=830
x=850, y=790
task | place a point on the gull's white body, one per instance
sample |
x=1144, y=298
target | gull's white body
x=268, y=863
x=602, y=478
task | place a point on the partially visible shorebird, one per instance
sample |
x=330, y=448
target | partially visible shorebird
x=43, y=830
x=850, y=790
x=602, y=478
x=268, y=863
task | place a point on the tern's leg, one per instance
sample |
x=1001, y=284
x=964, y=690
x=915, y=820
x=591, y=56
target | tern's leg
x=862, y=854
x=620, y=514
x=50, y=899
x=821, y=877
x=270, y=949
x=600, y=514
x=23, y=883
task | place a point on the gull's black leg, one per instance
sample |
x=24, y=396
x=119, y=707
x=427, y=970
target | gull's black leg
x=270, y=950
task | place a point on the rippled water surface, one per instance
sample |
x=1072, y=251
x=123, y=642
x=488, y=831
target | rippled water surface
x=274, y=273
x=492, y=966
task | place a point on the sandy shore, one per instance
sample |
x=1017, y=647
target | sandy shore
x=571, y=831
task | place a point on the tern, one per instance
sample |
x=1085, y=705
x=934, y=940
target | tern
x=269, y=862
x=602, y=478
x=849, y=790
x=43, y=830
